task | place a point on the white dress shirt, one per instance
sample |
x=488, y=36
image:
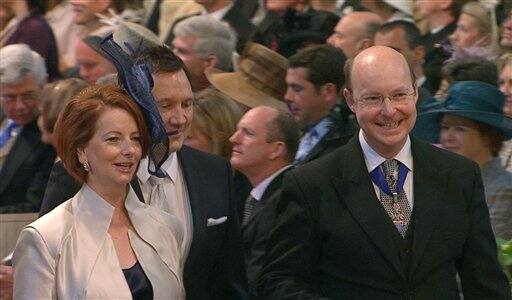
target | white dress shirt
x=258, y=191
x=374, y=160
x=172, y=198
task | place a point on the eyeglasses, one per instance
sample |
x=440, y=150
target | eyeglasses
x=26, y=98
x=395, y=98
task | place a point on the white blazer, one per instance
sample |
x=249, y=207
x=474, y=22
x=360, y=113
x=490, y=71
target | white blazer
x=68, y=254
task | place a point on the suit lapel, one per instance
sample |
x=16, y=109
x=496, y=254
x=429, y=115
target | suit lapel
x=193, y=182
x=429, y=189
x=269, y=191
x=22, y=148
x=355, y=189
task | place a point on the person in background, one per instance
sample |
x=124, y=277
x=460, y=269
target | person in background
x=92, y=65
x=33, y=30
x=264, y=147
x=506, y=33
x=355, y=32
x=473, y=125
x=103, y=242
x=314, y=79
x=214, y=121
x=291, y=25
x=60, y=17
x=505, y=82
x=405, y=37
x=474, y=31
x=203, y=42
x=86, y=13
x=230, y=12
x=468, y=68
x=441, y=16
x=25, y=161
x=54, y=97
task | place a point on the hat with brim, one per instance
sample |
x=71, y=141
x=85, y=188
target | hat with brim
x=404, y=6
x=133, y=38
x=260, y=79
x=474, y=100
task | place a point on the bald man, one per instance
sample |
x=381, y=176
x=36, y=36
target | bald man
x=386, y=216
x=355, y=32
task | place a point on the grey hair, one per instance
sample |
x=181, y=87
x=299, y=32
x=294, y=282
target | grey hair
x=213, y=38
x=17, y=61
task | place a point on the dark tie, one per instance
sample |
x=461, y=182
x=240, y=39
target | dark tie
x=250, y=203
x=396, y=205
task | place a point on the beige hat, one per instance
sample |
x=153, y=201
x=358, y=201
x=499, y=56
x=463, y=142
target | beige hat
x=135, y=35
x=404, y=6
x=260, y=79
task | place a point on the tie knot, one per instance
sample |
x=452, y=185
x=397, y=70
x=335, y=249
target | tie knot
x=390, y=167
x=154, y=180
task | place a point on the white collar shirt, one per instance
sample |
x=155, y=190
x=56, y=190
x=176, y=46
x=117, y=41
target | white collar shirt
x=258, y=191
x=169, y=194
x=374, y=160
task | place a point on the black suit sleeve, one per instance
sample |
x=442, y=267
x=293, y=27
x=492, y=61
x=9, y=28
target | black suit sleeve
x=231, y=280
x=61, y=186
x=478, y=266
x=293, y=247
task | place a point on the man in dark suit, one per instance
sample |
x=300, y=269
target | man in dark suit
x=25, y=161
x=352, y=226
x=196, y=188
x=314, y=79
x=264, y=146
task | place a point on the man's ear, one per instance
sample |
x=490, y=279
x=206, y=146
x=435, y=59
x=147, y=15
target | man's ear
x=210, y=61
x=349, y=99
x=364, y=43
x=279, y=150
x=328, y=93
x=419, y=53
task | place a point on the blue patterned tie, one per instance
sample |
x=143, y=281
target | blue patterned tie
x=6, y=133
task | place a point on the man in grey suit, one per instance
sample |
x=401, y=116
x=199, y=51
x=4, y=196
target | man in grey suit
x=386, y=216
x=264, y=146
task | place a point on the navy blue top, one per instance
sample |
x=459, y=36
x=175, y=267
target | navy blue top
x=139, y=284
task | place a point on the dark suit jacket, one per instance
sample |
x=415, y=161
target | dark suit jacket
x=25, y=172
x=255, y=232
x=214, y=268
x=332, y=235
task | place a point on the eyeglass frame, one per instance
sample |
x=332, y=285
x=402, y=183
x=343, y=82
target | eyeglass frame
x=381, y=98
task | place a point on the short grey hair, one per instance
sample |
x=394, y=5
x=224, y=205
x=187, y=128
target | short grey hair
x=18, y=61
x=213, y=38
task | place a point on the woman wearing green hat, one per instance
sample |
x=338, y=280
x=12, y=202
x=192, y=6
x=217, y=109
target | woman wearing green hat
x=472, y=124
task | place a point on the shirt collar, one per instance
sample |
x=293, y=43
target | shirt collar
x=258, y=191
x=170, y=167
x=321, y=128
x=373, y=159
x=218, y=14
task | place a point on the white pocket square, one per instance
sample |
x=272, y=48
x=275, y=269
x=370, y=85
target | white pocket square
x=213, y=222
